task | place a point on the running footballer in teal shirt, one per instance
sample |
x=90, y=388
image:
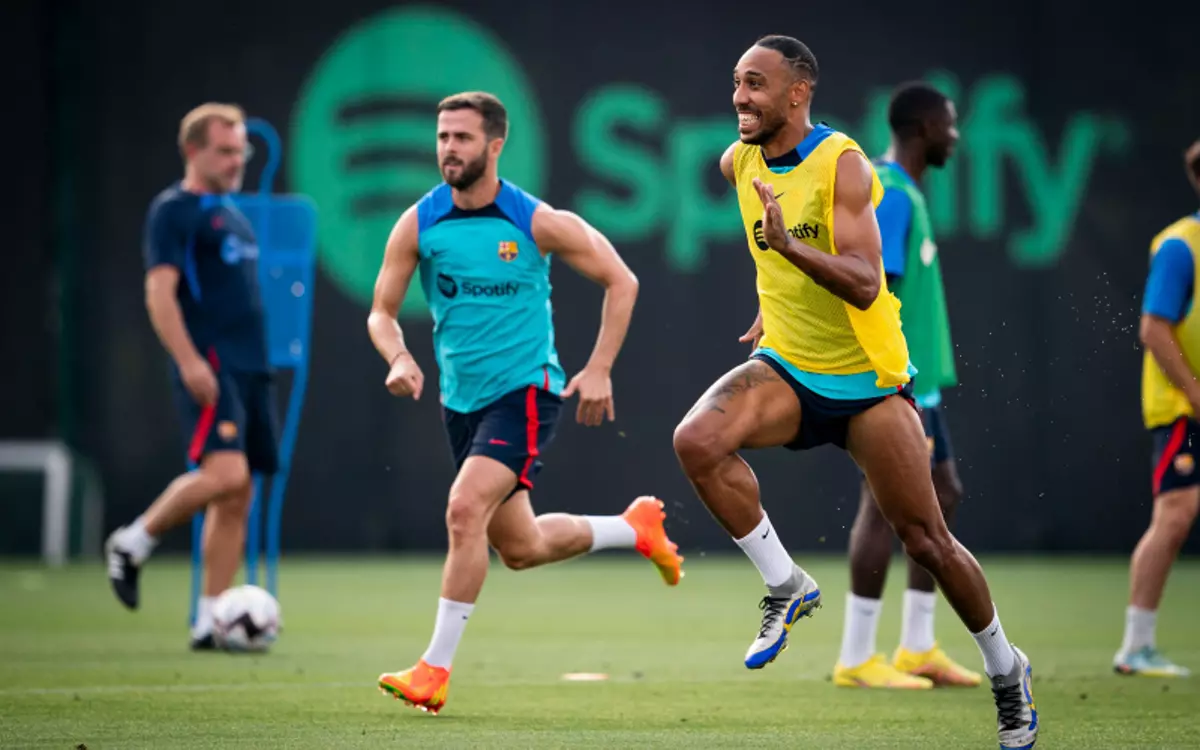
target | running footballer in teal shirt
x=484, y=247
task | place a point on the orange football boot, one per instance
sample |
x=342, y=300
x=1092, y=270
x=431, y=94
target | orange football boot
x=423, y=686
x=646, y=516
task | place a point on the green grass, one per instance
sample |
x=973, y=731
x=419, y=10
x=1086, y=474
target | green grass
x=77, y=669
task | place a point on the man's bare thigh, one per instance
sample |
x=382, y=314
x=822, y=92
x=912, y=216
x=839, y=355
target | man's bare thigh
x=751, y=406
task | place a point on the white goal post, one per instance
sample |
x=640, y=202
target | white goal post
x=54, y=459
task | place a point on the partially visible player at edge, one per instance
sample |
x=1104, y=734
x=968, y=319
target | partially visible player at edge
x=484, y=249
x=1170, y=331
x=830, y=366
x=203, y=299
x=924, y=132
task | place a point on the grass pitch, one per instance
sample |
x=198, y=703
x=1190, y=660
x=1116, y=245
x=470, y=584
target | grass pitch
x=77, y=670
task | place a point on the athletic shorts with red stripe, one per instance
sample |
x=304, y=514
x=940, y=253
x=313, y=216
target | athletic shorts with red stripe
x=515, y=430
x=1175, y=455
x=243, y=419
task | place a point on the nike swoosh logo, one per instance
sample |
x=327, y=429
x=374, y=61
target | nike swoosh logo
x=766, y=534
x=780, y=195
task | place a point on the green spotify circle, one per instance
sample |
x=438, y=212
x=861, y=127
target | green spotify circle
x=362, y=140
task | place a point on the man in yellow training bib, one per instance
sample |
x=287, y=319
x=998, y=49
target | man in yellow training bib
x=830, y=366
x=1170, y=331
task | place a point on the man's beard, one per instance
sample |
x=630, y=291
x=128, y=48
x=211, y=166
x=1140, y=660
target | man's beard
x=767, y=130
x=468, y=174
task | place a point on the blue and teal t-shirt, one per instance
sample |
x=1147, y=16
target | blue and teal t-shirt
x=488, y=288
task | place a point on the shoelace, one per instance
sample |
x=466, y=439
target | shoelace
x=773, y=609
x=1154, y=658
x=116, y=565
x=1010, y=706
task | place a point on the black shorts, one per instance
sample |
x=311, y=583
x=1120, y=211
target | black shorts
x=515, y=430
x=1174, y=455
x=826, y=420
x=242, y=420
x=937, y=433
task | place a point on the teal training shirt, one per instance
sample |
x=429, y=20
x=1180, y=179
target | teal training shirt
x=488, y=287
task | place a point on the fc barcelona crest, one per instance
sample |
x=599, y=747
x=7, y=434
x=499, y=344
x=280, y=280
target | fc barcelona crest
x=508, y=251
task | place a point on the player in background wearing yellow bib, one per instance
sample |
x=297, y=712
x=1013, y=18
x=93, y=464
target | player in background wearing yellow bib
x=1170, y=330
x=831, y=367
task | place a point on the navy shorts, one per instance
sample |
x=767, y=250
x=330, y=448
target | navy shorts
x=826, y=420
x=1174, y=455
x=937, y=433
x=242, y=420
x=515, y=430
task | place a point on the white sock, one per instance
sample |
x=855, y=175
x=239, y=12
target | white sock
x=765, y=550
x=136, y=541
x=610, y=531
x=204, y=617
x=916, y=630
x=998, y=656
x=858, y=633
x=447, y=632
x=1139, y=629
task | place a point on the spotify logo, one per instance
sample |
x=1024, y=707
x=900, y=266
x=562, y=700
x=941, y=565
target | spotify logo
x=363, y=141
x=760, y=238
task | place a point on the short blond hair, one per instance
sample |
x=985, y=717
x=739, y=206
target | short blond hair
x=193, y=128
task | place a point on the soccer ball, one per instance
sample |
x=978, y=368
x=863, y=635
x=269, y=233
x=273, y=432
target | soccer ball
x=245, y=618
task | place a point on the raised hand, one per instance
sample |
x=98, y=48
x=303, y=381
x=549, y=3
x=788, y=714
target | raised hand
x=774, y=230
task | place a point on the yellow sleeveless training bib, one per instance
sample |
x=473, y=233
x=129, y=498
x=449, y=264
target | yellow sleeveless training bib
x=803, y=322
x=1162, y=402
